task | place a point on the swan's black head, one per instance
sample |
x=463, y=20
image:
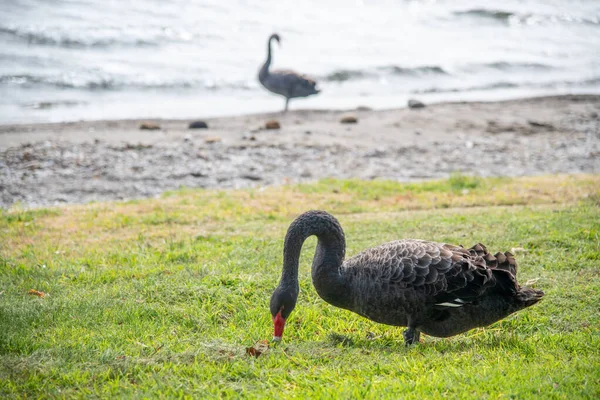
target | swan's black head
x=276, y=37
x=283, y=302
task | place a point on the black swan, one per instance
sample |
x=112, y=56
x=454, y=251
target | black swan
x=288, y=84
x=438, y=289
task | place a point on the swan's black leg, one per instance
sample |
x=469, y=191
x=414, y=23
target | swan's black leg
x=411, y=336
x=287, y=100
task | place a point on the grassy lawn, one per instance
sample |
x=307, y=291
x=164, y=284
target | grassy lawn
x=161, y=298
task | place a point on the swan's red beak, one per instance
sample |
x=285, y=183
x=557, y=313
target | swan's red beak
x=278, y=325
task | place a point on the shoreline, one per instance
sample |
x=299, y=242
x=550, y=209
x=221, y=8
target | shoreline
x=78, y=162
x=427, y=100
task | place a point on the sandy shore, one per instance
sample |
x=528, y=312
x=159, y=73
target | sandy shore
x=44, y=164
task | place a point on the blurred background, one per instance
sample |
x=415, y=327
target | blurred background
x=66, y=60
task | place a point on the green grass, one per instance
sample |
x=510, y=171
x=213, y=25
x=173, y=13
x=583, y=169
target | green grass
x=160, y=298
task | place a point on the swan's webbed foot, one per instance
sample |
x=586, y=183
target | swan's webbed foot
x=411, y=336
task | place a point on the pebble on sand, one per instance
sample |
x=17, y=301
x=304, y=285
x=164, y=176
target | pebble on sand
x=198, y=125
x=212, y=139
x=349, y=119
x=537, y=124
x=149, y=126
x=414, y=103
x=272, y=124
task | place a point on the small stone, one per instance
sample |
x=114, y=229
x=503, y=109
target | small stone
x=544, y=125
x=252, y=177
x=187, y=138
x=149, y=126
x=212, y=139
x=349, y=119
x=198, y=125
x=307, y=132
x=417, y=133
x=363, y=108
x=414, y=103
x=272, y=124
x=469, y=144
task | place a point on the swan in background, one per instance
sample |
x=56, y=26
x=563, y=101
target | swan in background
x=286, y=83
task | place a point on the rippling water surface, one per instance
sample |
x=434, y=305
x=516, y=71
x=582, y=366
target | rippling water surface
x=90, y=59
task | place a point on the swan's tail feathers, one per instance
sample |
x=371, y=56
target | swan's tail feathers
x=503, y=266
x=504, y=269
x=506, y=261
x=528, y=296
x=499, y=261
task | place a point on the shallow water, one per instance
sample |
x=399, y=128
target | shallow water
x=91, y=59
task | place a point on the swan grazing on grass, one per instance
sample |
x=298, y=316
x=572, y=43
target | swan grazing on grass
x=288, y=84
x=438, y=289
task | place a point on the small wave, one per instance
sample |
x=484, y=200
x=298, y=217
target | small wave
x=512, y=85
x=509, y=17
x=511, y=66
x=586, y=82
x=102, y=37
x=490, y=86
x=416, y=71
x=102, y=82
x=62, y=82
x=61, y=40
x=591, y=81
x=484, y=13
x=343, y=75
x=45, y=105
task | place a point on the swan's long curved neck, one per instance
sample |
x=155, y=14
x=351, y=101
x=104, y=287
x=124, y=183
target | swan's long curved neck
x=329, y=254
x=264, y=71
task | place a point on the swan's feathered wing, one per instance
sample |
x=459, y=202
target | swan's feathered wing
x=446, y=275
x=290, y=84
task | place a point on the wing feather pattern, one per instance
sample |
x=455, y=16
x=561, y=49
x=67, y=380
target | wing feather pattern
x=448, y=275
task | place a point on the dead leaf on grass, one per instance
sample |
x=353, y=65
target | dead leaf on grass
x=36, y=293
x=259, y=348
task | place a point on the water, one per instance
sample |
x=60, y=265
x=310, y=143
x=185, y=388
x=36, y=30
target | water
x=67, y=60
